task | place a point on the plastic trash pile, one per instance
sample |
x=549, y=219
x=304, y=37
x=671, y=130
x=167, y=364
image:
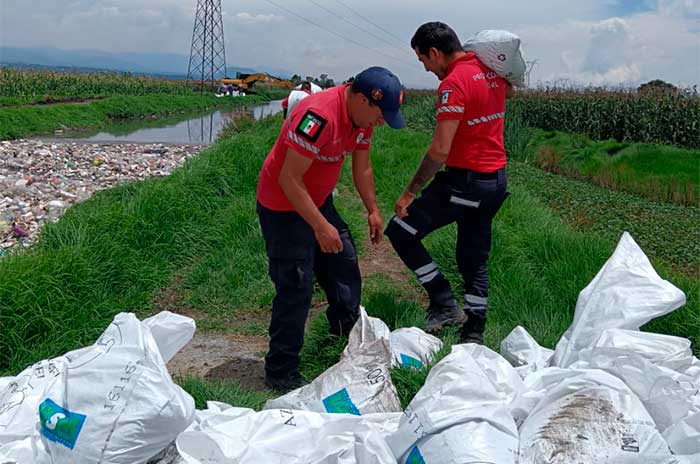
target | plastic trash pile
x=607, y=394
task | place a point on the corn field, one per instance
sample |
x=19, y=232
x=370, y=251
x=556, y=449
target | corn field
x=671, y=118
x=26, y=86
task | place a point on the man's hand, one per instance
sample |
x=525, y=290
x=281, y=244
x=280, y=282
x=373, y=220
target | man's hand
x=376, y=226
x=402, y=204
x=328, y=238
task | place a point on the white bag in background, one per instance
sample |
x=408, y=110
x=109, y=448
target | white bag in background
x=524, y=353
x=500, y=51
x=358, y=384
x=295, y=96
x=112, y=402
x=412, y=347
x=588, y=417
x=457, y=391
x=240, y=436
x=625, y=294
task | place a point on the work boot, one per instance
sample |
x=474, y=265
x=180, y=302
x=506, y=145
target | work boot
x=473, y=330
x=443, y=310
x=285, y=383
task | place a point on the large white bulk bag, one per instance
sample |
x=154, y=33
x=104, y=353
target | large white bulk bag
x=589, y=416
x=457, y=391
x=625, y=294
x=358, y=384
x=229, y=435
x=111, y=402
x=500, y=51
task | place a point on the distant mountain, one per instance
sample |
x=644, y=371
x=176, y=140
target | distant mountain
x=162, y=64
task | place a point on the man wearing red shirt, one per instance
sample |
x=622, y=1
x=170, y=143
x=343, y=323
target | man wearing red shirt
x=468, y=140
x=304, y=234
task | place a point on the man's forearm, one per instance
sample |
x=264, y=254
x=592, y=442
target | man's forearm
x=426, y=171
x=364, y=183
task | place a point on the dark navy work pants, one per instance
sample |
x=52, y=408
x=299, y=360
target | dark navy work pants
x=294, y=259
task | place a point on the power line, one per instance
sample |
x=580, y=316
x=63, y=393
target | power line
x=402, y=41
x=338, y=35
x=402, y=49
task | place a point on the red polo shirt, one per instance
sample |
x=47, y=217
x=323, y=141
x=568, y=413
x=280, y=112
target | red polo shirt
x=320, y=129
x=476, y=96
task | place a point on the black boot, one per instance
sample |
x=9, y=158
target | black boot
x=285, y=383
x=443, y=310
x=473, y=329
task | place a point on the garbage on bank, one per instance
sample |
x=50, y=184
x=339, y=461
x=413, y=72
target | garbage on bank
x=608, y=394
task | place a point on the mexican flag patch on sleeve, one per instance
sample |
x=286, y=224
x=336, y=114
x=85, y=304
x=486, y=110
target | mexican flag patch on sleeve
x=311, y=126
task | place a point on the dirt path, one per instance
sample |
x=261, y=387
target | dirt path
x=214, y=355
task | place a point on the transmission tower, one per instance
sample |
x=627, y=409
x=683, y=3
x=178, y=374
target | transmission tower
x=207, y=55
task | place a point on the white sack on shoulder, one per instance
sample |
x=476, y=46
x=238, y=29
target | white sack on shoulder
x=500, y=51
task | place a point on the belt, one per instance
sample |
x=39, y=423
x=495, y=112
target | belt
x=476, y=174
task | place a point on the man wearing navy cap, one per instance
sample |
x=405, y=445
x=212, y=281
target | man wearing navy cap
x=304, y=234
x=468, y=140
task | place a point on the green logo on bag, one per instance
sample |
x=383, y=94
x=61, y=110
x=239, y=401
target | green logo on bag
x=410, y=361
x=59, y=424
x=340, y=403
x=415, y=457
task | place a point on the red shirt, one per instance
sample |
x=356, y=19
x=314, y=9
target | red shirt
x=475, y=95
x=320, y=129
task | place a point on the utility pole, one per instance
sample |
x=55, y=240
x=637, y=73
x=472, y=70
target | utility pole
x=207, y=54
x=530, y=66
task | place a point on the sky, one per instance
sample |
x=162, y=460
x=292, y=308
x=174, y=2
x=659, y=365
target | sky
x=593, y=42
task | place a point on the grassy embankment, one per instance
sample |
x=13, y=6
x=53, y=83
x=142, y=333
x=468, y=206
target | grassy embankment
x=91, y=101
x=116, y=251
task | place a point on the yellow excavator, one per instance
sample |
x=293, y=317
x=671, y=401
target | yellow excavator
x=245, y=82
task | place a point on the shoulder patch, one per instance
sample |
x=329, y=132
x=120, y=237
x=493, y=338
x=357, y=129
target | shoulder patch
x=445, y=96
x=311, y=126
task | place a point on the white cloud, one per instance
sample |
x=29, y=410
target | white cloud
x=258, y=18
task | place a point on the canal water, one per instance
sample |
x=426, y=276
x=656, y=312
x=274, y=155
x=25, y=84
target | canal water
x=179, y=129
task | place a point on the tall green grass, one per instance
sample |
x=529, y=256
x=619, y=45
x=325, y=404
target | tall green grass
x=657, y=172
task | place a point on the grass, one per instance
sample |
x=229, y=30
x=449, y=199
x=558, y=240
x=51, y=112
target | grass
x=116, y=251
x=659, y=173
x=23, y=121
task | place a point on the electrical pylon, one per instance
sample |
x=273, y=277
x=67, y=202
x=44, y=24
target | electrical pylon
x=208, y=54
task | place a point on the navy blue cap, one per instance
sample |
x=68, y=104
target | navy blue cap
x=382, y=88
